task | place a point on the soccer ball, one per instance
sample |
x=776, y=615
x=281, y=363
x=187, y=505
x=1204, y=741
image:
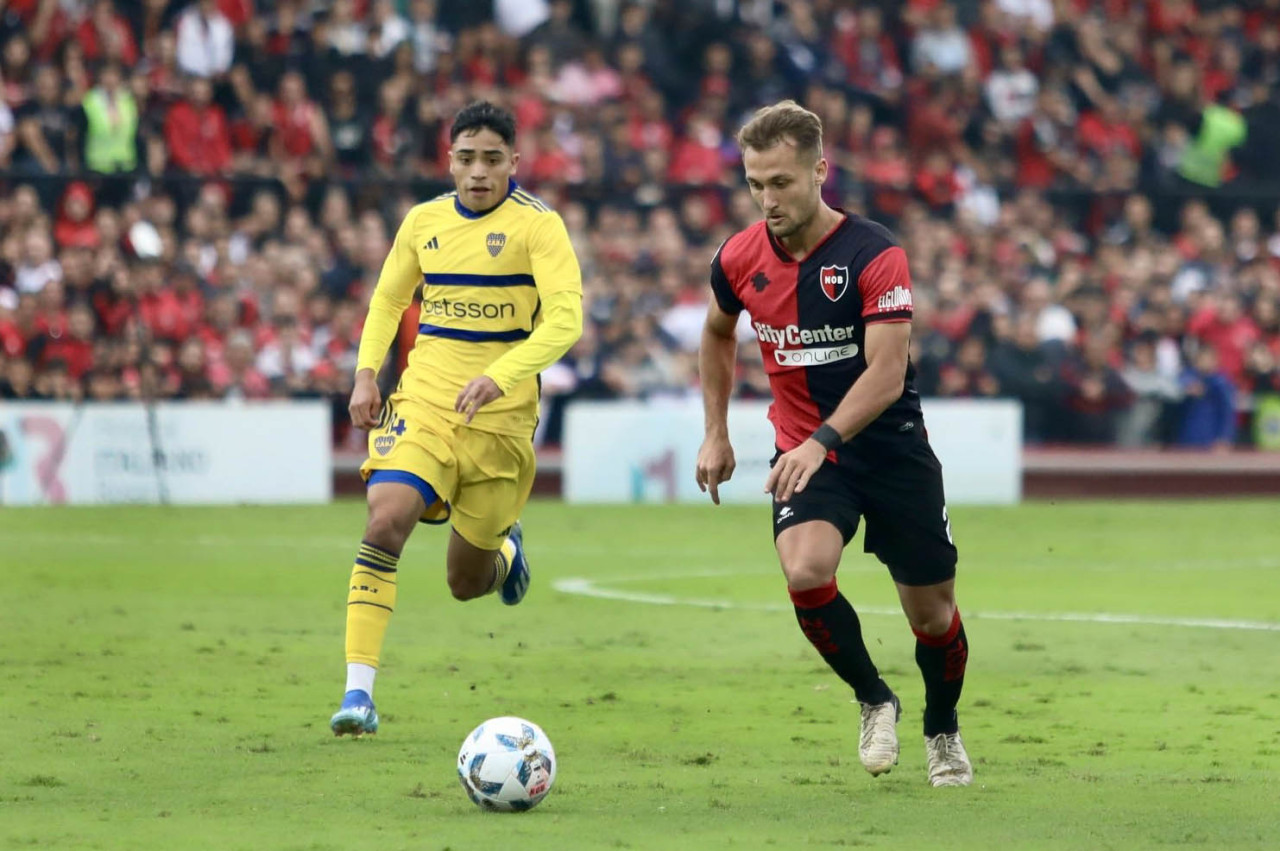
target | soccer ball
x=507, y=764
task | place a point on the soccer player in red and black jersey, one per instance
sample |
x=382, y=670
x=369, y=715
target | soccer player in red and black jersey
x=829, y=295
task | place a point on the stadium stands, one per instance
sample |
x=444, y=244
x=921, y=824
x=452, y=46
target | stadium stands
x=197, y=197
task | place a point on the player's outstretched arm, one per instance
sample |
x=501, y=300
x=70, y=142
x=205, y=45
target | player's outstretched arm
x=717, y=359
x=887, y=345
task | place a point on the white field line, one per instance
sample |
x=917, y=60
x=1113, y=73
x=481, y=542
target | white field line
x=591, y=588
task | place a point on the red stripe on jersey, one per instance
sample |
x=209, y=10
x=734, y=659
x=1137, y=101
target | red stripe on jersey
x=766, y=283
x=885, y=285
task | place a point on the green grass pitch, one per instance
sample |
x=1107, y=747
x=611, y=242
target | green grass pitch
x=168, y=675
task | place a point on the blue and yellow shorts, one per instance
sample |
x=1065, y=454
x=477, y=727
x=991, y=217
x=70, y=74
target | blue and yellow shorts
x=481, y=479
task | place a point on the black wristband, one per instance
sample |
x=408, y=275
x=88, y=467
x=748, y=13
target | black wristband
x=828, y=437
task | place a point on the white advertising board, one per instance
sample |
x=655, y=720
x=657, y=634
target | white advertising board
x=192, y=452
x=646, y=451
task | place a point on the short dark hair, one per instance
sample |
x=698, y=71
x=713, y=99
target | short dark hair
x=482, y=115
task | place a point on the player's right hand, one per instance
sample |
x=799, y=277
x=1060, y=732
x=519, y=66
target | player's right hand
x=715, y=465
x=366, y=401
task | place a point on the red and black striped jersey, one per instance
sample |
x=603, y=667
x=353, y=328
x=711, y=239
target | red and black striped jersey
x=811, y=318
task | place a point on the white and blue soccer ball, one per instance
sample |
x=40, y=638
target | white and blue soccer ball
x=507, y=764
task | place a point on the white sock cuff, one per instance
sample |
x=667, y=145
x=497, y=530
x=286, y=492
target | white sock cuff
x=360, y=676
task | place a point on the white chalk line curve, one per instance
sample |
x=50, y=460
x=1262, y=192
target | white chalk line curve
x=584, y=587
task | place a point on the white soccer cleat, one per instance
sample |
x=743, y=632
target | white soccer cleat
x=878, y=736
x=948, y=762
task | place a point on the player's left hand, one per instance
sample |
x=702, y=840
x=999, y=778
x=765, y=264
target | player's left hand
x=792, y=471
x=478, y=393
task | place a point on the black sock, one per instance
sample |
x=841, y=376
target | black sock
x=832, y=626
x=942, y=661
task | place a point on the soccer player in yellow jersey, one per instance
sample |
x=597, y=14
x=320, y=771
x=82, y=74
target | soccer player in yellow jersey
x=501, y=301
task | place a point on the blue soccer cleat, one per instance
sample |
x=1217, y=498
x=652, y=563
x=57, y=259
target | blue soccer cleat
x=517, y=582
x=356, y=717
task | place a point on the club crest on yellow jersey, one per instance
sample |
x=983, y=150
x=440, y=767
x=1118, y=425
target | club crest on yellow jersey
x=495, y=242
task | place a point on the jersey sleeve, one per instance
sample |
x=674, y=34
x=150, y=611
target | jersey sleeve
x=722, y=288
x=401, y=273
x=559, y=325
x=551, y=257
x=559, y=329
x=885, y=285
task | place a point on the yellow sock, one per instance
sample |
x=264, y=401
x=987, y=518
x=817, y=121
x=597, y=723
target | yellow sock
x=370, y=602
x=502, y=564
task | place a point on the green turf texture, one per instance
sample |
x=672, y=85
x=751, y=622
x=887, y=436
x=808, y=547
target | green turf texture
x=168, y=676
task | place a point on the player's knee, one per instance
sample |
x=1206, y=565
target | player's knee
x=806, y=573
x=934, y=618
x=388, y=530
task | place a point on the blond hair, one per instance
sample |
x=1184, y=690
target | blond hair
x=786, y=122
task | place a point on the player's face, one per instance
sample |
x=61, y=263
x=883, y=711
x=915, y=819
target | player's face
x=481, y=164
x=786, y=185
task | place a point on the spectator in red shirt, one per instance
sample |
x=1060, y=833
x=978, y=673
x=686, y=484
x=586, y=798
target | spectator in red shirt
x=389, y=138
x=697, y=158
x=196, y=132
x=1044, y=143
x=1223, y=324
x=937, y=184
x=158, y=306
x=72, y=345
x=868, y=53
x=17, y=323
x=1105, y=131
x=114, y=302
x=888, y=174
x=648, y=125
x=550, y=163
x=300, y=123
x=75, y=227
x=235, y=376
x=105, y=34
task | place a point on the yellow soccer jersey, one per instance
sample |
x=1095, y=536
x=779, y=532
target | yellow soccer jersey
x=501, y=296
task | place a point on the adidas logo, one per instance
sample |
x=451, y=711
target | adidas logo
x=432, y=244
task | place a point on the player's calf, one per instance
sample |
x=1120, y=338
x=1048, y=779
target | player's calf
x=515, y=582
x=942, y=659
x=473, y=572
x=468, y=585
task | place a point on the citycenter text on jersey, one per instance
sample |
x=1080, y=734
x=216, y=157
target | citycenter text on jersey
x=794, y=335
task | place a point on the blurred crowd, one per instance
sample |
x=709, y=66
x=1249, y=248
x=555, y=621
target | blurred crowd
x=197, y=197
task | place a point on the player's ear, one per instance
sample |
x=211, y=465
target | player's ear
x=820, y=171
x=515, y=161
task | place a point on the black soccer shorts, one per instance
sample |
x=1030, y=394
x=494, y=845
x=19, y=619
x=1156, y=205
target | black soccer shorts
x=903, y=502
